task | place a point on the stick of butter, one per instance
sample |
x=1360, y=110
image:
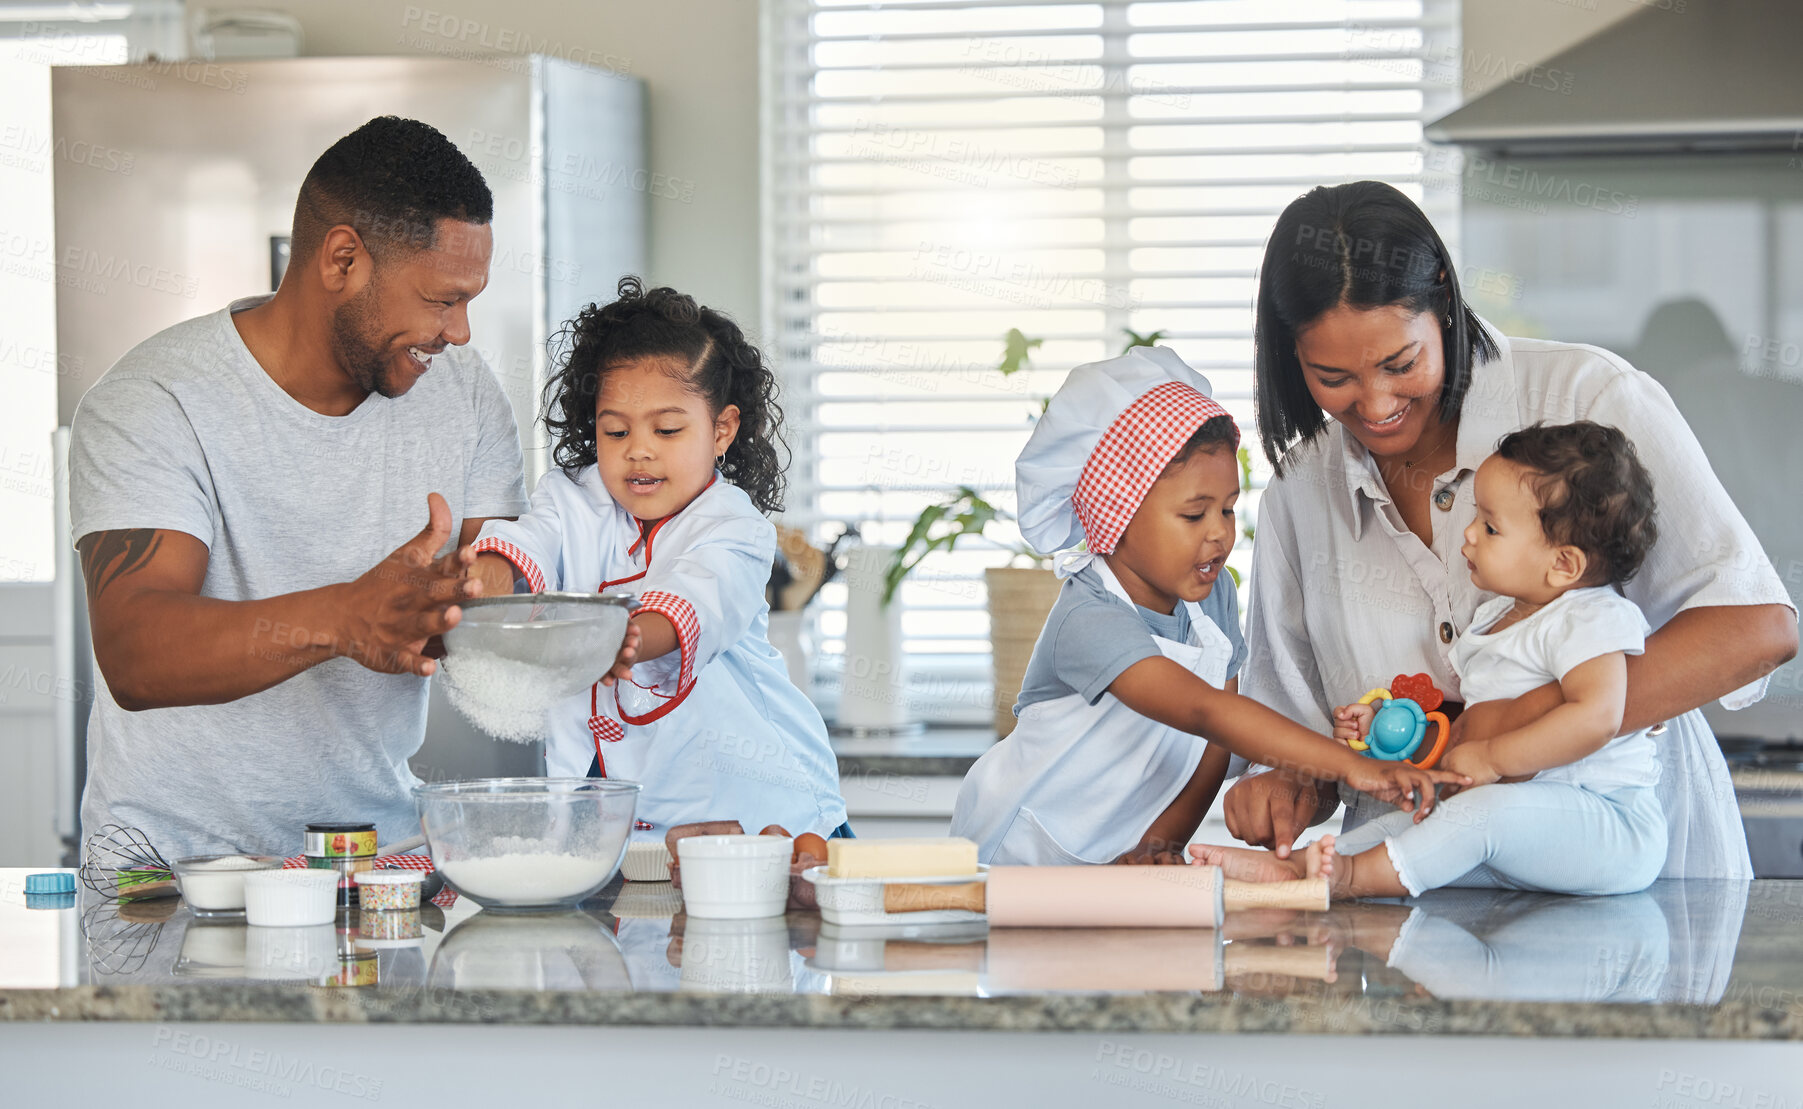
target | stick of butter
x=921, y=857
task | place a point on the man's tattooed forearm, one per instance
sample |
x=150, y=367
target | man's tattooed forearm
x=113, y=554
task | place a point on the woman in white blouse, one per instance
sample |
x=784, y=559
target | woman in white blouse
x=1379, y=393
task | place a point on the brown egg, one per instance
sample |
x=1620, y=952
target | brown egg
x=810, y=845
x=775, y=830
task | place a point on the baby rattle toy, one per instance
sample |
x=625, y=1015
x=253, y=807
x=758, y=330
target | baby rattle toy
x=1400, y=724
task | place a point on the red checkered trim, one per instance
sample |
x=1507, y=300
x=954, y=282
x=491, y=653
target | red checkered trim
x=1132, y=453
x=383, y=862
x=605, y=729
x=445, y=899
x=527, y=568
x=681, y=615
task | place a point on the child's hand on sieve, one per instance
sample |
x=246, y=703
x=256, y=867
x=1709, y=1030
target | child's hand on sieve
x=629, y=650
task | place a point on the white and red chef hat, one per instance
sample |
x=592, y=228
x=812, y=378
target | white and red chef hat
x=1108, y=433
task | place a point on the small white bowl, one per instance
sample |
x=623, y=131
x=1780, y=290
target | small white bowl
x=736, y=956
x=291, y=954
x=290, y=898
x=735, y=877
x=213, y=885
x=646, y=862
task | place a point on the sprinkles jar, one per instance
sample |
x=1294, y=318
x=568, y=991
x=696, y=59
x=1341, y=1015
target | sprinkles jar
x=386, y=890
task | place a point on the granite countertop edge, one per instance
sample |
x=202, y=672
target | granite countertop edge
x=1069, y=1013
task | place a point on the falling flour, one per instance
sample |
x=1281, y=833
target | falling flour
x=527, y=878
x=504, y=697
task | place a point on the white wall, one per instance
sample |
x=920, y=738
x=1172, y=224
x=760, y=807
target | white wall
x=699, y=60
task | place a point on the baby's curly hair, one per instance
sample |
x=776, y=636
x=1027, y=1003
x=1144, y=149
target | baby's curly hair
x=1594, y=494
x=723, y=368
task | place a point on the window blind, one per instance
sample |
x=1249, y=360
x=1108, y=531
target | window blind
x=938, y=172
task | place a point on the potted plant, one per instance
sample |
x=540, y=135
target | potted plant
x=1019, y=597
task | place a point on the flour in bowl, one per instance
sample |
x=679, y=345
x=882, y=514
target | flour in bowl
x=527, y=879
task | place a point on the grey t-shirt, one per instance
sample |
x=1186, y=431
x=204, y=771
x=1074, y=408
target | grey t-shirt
x=1091, y=636
x=188, y=433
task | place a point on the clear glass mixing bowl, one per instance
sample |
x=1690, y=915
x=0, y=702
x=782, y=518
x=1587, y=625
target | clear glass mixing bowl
x=527, y=844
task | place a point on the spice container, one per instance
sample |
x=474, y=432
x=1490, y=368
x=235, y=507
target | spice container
x=356, y=965
x=347, y=848
x=402, y=924
x=384, y=890
x=213, y=885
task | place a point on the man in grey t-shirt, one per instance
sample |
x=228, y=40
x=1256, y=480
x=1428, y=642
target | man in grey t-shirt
x=248, y=491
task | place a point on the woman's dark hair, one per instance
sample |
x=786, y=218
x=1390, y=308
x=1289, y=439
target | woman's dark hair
x=1594, y=494
x=1211, y=436
x=722, y=368
x=1364, y=245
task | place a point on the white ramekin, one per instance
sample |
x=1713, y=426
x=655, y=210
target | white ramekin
x=290, y=898
x=307, y=954
x=736, y=956
x=735, y=877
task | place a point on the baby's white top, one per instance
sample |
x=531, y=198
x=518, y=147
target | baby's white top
x=1572, y=629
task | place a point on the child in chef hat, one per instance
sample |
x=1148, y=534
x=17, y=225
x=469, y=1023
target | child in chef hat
x=1129, y=706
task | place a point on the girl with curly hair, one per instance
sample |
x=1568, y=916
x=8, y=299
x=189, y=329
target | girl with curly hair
x=666, y=433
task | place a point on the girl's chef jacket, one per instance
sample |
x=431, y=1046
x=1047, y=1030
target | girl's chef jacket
x=714, y=730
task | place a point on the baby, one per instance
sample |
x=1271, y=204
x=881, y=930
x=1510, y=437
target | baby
x=1564, y=518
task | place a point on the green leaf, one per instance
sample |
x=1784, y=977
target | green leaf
x=1017, y=351
x=964, y=512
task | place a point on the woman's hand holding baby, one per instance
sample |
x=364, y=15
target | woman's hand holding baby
x=1473, y=760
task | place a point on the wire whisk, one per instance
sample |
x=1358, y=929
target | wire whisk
x=117, y=944
x=119, y=861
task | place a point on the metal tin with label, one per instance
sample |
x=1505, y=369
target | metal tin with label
x=347, y=848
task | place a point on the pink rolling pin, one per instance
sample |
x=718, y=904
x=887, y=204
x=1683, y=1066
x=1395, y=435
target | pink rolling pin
x=1107, y=896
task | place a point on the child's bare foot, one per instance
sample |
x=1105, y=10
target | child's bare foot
x=1248, y=864
x=1318, y=859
